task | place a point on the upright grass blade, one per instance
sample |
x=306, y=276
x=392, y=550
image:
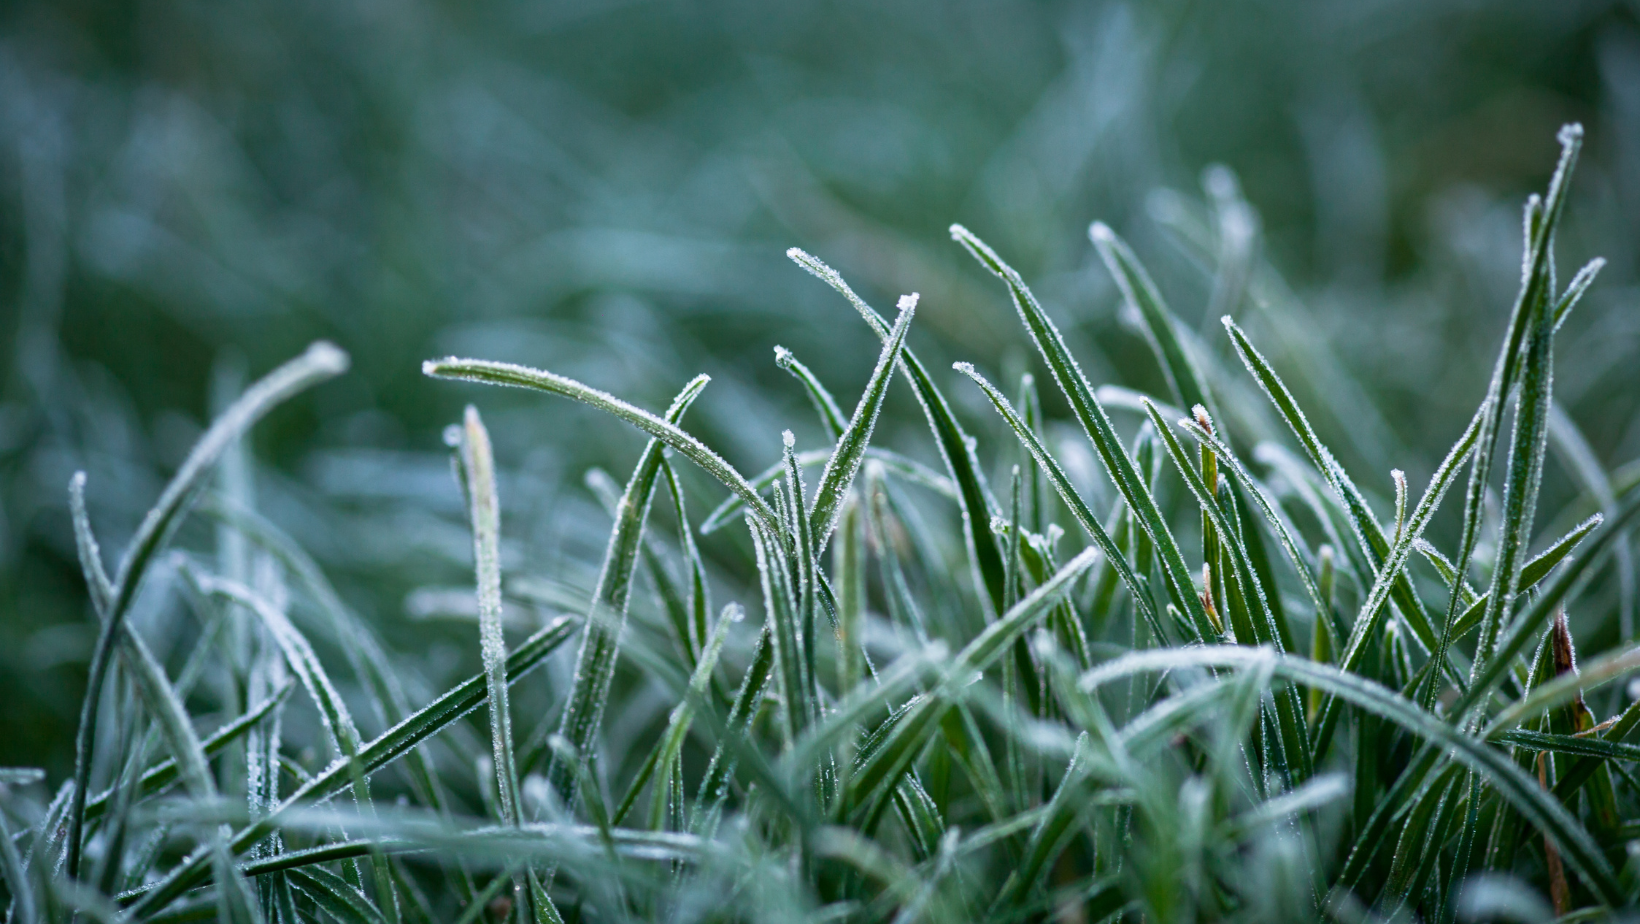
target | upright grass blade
x=1370, y=538
x=1078, y=507
x=840, y=469
x=595, y=664
x=1183, y=378
x=955, y=446
x=484, y=511
x=1520, y=488
x=1290, y=708
x=321, y=361
x=1535, y=290
x=1068, y=375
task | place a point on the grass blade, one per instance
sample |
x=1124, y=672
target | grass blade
x=484, y=511
x=1068, y=375
x=844, y=463
x=321, y=361
x=956, y=448
x=595, y=664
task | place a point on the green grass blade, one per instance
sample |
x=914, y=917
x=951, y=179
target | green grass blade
x=595, y=664
x=1068, y=375
x=883, y=762
x=163, y=774
x=1183, y=377
x=1289, y=705
x=1073, y=500
x=388, y=747
x=1520, y=489
x=825, y=406
x=335, y=896
x=844, y=463
x=956, y=448
x=494, y=373
x=1370, y=538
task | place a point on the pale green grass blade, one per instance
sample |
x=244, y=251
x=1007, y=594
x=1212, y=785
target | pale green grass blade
x=825, y=406
x=600, y=646
x=844, y=463
x=484, y=513
x=955, y=446
x=1068, y=375
x=321, y=361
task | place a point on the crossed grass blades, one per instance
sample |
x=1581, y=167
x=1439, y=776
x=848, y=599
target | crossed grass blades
x=1214, y=689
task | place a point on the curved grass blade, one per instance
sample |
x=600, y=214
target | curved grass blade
x=831, y=415
x=1068, y=375
x=495, y=373
x=844, y=463
x=321, y=361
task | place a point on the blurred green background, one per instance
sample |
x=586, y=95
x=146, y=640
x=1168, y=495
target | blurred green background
x=192, y=191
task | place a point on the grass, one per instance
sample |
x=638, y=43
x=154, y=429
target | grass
x=1226, y=686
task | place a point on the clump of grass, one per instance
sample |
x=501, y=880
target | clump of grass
x=1225, y=688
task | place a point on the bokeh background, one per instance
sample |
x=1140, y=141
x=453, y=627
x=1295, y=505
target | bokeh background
x=193, y=190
